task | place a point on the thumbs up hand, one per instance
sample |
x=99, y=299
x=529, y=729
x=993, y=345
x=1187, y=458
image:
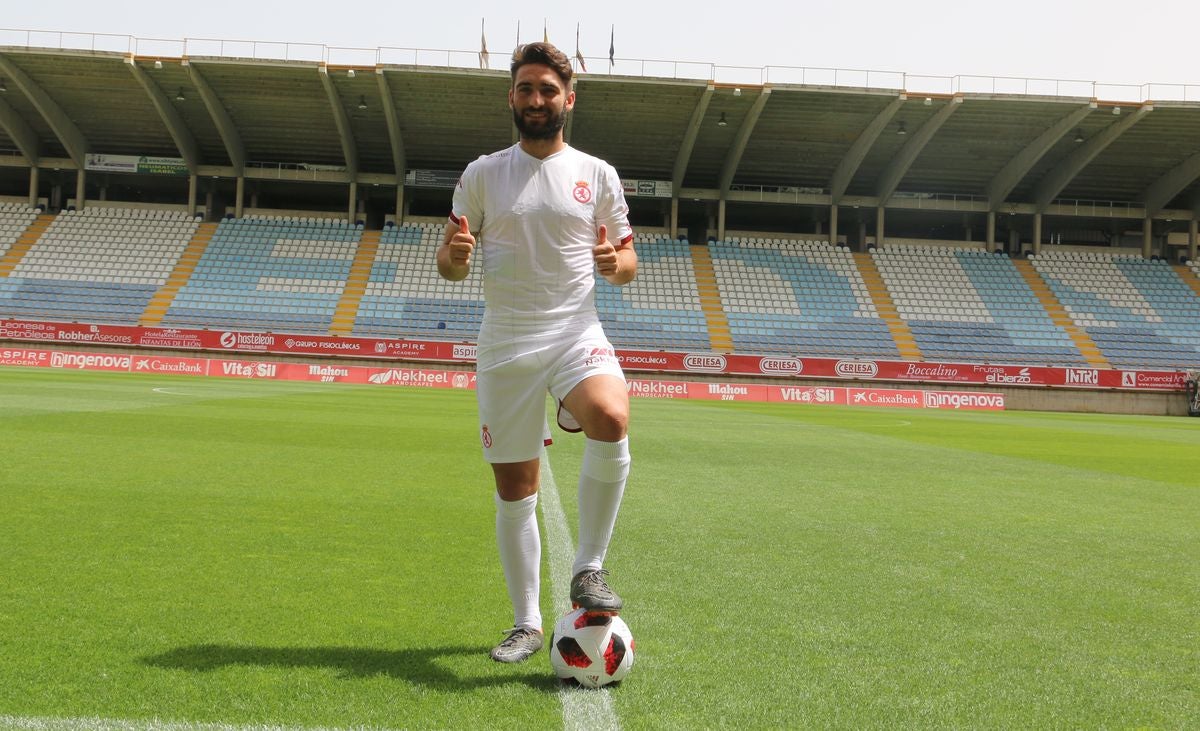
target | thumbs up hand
x=462, y=244
x=454, y=255
x=605, y=254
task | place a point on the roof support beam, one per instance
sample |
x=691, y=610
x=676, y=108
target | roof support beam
x=220, y=118
x=172, y=120
x=20, y=132
x=72, y=139
x=858, y=151
x=1053, y=183
x=399, y=155
x=1015, y=170
x=734, y=157
x=349, y=146
x=898, y=167
x=684, y=155
x=1159, y=193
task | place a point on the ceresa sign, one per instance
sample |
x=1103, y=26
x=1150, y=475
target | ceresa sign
x=856, y=368
x=704, y=362
x=780, y=366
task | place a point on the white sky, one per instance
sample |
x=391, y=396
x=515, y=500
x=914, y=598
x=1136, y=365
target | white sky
x=1110, y=42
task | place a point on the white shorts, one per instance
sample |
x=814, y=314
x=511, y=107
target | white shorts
x=512, y=380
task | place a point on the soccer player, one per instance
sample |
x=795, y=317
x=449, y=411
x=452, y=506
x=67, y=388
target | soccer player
x=546, y=217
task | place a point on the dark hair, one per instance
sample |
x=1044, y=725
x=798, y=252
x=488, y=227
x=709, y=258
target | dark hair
x=545, y=54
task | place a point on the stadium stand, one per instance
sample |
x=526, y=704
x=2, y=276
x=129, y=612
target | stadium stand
x=14, y=219
x=797, y=297
x=405, y=296
x=967, y=304
x=270, y=273
x=100, y=265
x=1139, y=312
x=660, y=309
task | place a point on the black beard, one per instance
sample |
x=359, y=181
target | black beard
x=547, y=131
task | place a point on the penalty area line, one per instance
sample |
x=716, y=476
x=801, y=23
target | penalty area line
x=584, y=709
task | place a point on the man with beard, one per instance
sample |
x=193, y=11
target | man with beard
x=544, y=213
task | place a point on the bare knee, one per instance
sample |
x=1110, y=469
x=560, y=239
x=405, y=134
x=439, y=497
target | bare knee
x=516, y=480
x=610, y=421
x=601, y=405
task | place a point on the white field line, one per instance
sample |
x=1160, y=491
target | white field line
x=583, y=709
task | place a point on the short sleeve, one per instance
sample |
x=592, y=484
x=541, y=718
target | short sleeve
x=612, y=210
x=467, y=194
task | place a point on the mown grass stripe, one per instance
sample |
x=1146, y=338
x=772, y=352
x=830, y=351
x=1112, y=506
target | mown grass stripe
x=36, y=723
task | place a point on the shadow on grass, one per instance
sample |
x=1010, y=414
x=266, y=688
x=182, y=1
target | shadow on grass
x=416, y=666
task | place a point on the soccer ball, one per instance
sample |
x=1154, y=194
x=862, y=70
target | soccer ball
x=594, y=649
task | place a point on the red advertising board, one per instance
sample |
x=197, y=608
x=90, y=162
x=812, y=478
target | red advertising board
x=168, y=364
x=809, y=395
x=235, y=343
x=432, y=378
x=89, y=361
x=24, y=357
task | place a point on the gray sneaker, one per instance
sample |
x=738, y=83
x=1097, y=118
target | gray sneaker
x=590, y=591
x=520, y=643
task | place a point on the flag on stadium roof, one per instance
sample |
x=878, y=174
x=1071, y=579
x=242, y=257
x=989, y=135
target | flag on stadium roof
x=578, y=53
x=612, y=50
x=483, y=52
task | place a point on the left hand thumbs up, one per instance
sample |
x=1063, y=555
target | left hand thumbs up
x=604, y=253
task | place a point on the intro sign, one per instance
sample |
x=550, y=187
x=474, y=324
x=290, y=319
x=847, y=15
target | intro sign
x=143, y=165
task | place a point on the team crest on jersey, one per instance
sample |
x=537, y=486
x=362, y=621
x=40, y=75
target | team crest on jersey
x=486, y=437
x=582, y=193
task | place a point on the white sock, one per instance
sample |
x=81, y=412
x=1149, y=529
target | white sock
x=521, y=556
x=601, y=486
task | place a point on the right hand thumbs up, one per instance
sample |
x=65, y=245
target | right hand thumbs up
x=462, y=244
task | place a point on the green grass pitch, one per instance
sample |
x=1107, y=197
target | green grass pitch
x=219, y=551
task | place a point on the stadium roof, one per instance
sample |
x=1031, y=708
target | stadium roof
x=778, y=141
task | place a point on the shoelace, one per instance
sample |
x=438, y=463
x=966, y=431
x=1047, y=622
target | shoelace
x=595, y=578
x=515, y=635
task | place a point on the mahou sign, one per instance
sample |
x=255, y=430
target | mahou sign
x=238, y=343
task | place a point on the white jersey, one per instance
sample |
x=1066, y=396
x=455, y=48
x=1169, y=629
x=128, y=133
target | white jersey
x=536, y=223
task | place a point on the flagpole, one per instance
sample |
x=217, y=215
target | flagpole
x=578, y=53
x=484, y=62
